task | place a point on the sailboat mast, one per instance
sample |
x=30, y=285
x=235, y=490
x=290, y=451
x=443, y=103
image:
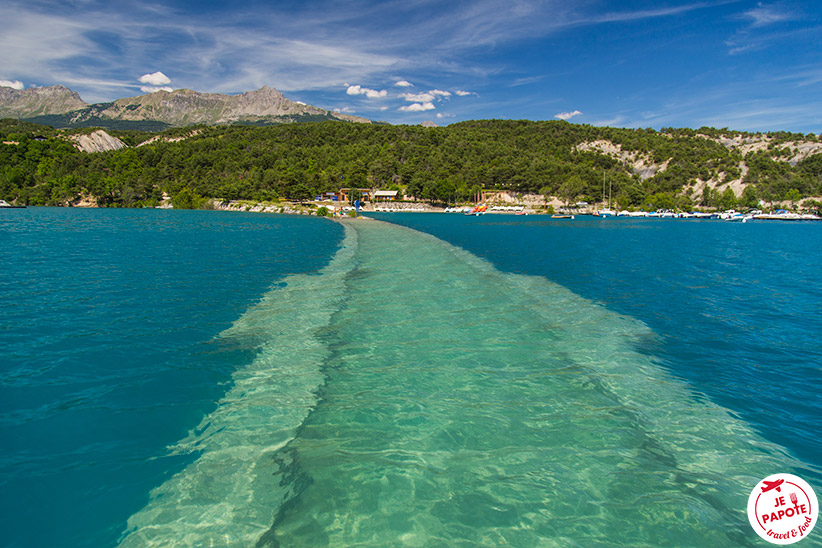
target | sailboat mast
x=610, y=183
x=603, y=186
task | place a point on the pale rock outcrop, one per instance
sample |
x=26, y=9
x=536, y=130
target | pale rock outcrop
x=98, y=141
x=792, y=152
x=641, y=164
x=165, y=139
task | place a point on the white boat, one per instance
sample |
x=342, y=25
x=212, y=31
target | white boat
x=5, y=205
x=785, y=216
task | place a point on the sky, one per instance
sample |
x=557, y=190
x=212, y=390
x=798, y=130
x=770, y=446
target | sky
x=754, y=66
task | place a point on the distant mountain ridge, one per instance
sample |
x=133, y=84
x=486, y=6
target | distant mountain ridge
x=61, y=107
x=28, y=103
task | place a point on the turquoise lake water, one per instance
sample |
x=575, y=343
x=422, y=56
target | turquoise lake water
x=221, y=379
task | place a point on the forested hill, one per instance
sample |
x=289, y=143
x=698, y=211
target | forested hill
x=672, y=167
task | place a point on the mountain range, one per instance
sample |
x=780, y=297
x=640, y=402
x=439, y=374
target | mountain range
x=61, y=107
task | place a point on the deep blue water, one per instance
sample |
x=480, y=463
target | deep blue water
x=737, y=307
x=109, y=351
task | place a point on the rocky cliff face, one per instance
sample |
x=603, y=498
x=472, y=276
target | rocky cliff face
x=97, y=141
x=31, y=102
x=176, y=108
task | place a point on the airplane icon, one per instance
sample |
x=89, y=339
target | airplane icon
x=773, y=485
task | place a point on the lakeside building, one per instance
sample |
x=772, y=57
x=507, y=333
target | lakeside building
x=369, y=195
x=385, y=195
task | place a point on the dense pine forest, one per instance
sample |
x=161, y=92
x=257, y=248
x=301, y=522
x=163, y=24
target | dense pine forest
x=41, y=166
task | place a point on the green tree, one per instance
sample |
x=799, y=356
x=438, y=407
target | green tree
x=749, y=197
x=793, y=196
x=727, y=200
x=300, y=193
x=186, y=199
x=571, y=188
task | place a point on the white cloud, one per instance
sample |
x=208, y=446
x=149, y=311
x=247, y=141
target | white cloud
x=443, y=115
x=345, y=110
x=312, y=48
x=404, y=84
x=463, y=93
x=762, y=16
x=17, y=84
x=154, y=89
x=370, y=93
x=383, y=108
x=567, y=115
x=426, y=97
x=155, y=79
x=418, y=107
x=417, y=97
x=613, y=122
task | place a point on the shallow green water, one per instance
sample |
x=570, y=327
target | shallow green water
x=411, y=394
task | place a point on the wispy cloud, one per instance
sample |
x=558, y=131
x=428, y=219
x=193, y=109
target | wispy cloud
x=612, y=122
x=762, y=15
x=409, y=51
x=613, y=17
x=526, y=80
x=308, y=47
x=759, y=32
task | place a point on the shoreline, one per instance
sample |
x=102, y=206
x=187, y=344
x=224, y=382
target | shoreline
x=335, y=211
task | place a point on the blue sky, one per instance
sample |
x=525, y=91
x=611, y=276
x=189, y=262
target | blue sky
x=738, y=64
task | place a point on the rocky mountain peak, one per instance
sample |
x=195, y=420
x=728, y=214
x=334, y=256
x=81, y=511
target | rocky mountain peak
x=180, y=107
x=39, y=101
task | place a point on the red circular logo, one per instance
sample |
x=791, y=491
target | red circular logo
x=782, y=509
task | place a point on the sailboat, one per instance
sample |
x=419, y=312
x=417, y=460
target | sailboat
x=605, y=212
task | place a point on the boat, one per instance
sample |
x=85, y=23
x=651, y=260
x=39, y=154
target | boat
x=5, y=205
x=739, y=217
x=607, y=211
x=478, y=210
x=562, y=216
x=735, y=216
x=785, y=216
